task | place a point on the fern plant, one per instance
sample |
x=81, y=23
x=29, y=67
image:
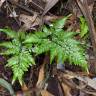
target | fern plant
x=59, y=43
x=20, y=54
x=53, y=39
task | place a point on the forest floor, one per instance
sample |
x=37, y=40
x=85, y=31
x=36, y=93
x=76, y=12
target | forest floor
x=29, y=15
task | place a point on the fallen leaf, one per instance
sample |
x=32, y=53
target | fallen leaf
x=1, y=2
x=40, y=77
x=27, y=20
x=66, y=89
x=46, y=93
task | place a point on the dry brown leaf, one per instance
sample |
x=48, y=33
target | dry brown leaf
x=31, y=21
x=41, y=76
x=66, y=89
x=46, y=93
x=1, y=2
x=28, y=20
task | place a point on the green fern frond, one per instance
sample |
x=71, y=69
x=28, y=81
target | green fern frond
x=71, y=51
x=12, y=61
x=42, y=47
x=21, y=35
x=31, y=39
x=6, y=44
x=9, y=32
x=36, y=38
x=21, y=58
x=20, y=64
x=59, y=24
x=62, y=45
x=9, y=52
x=83, y=27
x=63, y=34
x=12, y=47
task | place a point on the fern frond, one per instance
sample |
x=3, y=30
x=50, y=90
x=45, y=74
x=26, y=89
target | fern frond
x=59, y=24
x=6, y=44
x=21, y=58
x=83, y=27
x=70, y=50
x=12, y=47
x=44, y=46
x=9, y=32
x=63, y=34
x=9, y=52
x=62, y=45
x=21, y=35
x=12, y=61
x=20, y=64
x=36, y=38
x=31, y=38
